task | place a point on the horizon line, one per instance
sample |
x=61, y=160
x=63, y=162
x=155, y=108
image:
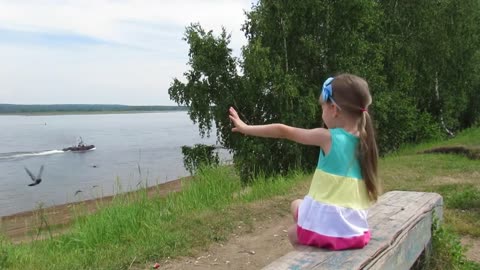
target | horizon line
x=108, y=104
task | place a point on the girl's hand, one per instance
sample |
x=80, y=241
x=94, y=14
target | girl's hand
x=240, y=126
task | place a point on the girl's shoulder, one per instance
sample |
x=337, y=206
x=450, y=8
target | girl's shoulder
x=344, y=133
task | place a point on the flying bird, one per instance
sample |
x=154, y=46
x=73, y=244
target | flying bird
x=78, y=191
x=36, y=180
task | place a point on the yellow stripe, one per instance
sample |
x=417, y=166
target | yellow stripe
x=339, y=190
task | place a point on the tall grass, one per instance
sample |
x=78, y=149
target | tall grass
x=448, y=251
x=137, y=229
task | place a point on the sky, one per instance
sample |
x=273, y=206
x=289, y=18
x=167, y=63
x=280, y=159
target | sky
x=103, y=51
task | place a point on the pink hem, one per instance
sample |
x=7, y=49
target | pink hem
x=309, y=238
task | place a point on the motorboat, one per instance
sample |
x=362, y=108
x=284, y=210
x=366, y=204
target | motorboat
x=79, y=147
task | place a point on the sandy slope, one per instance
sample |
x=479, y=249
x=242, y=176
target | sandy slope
x=25, y=225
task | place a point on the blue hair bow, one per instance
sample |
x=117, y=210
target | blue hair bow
x=327, y=91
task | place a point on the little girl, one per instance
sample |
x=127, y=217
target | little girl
x=333, y=214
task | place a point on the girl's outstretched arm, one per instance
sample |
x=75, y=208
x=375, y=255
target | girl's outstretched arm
x=318, y=136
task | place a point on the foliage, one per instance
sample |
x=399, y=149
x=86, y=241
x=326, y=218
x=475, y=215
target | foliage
x=3, y=252
x=199, y=155
x=448, y=252
x=429, y=46
x=421, y=60
x=399, y=121
x=461, y=196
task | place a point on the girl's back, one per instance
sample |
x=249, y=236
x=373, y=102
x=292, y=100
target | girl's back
x=334, y=213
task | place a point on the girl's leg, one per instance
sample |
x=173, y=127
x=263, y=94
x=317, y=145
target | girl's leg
x=292, y=231
x=292, y=235
x=294, y=209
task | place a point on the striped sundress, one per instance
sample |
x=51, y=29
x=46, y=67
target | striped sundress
x=333, y=214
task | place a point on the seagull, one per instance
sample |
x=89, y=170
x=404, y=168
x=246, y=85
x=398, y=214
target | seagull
x=36, y=180
x=78, y=191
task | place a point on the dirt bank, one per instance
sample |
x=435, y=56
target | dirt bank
x=24, y=226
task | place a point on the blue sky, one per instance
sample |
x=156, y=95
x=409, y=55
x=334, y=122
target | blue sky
x=103, y=51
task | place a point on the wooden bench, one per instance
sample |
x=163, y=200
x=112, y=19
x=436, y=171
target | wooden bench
x=401, y=225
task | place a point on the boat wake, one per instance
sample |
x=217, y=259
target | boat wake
x=18, y=155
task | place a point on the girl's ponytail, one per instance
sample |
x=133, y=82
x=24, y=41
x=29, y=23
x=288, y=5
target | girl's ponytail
x=368, y=155
x=352, y=95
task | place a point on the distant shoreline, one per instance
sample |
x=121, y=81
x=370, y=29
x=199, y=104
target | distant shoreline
x=72, y=109
x=86, y=112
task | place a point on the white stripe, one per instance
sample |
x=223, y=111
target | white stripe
x=330, y=220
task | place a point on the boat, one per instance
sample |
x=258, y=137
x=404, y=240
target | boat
x=82, y=147
x=79, y=147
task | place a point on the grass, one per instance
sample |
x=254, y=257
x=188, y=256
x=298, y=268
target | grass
x=468, y=137
x=136, y=230
x=448, y=252
x=456, y=178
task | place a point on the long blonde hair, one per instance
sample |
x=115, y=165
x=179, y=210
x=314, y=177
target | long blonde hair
x=352, y=95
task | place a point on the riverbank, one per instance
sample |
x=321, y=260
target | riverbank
x=30, y=225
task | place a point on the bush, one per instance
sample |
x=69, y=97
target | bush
x=448, y=252
x=199, y=155
x=399, y=122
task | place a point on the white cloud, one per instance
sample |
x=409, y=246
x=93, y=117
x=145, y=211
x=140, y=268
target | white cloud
x=103, y=19
x=137, y=72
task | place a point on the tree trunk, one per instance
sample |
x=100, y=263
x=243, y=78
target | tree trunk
x=441, y=110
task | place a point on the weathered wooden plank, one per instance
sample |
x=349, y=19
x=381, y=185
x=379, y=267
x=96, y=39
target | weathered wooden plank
x=408, y=246
x=401, y=227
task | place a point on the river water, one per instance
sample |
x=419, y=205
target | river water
x=131, y=151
